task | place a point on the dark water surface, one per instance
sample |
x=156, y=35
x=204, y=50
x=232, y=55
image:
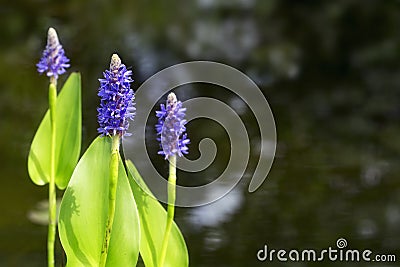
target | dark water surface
x=331, y=74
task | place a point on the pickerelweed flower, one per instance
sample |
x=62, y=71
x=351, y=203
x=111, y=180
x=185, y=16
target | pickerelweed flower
x=53, y=60
x=171, y=128
x=117, y=97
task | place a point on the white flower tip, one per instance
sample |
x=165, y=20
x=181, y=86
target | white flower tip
x=52, y=38
x=172, y=98
x=115, y=62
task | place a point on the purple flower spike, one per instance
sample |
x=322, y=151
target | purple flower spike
x=53, y=60
x=171, y=128
x=117, y=97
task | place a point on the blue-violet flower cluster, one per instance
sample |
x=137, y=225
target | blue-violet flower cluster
x=53, y=60
x=171, y=128
x=116, y=105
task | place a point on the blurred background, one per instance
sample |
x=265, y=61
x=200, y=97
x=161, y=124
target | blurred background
x=330, y=71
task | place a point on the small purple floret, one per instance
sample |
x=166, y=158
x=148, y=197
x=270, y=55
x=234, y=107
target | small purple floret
x=116, y=106
x=53, y=60
x=171, y=128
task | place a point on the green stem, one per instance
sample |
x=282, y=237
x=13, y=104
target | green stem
x=171, y=207
x=52, y=188
x=112, y=192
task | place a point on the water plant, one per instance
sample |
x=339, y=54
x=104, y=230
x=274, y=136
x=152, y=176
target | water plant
x=173, y=141
x=108, y=216
x=116, y=108
x=56, y=145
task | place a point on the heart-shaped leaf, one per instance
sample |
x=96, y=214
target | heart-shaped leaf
x=153, y=218
x=68, y=137
x=84, y=208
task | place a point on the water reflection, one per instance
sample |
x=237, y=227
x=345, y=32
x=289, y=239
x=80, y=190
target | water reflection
x=219, y=211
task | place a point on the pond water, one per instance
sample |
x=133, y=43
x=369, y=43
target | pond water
x=330, y=72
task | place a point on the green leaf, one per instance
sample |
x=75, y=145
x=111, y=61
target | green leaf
x=84, y=208
x=68, y=137
x=153, y=218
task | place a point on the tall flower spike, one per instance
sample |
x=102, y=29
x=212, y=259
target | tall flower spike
x=171, y=128
x=53, y=60
x=116, y=106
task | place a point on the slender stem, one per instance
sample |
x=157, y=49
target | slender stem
x=53, y=81
x=52, y=187
x=112, y=192
x=171, y=207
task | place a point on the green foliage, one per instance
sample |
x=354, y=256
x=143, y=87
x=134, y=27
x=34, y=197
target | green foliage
x=83, y=212
x=84, y=207
x=153, y=218
x=68, y=137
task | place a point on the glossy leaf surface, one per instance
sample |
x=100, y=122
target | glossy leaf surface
x=83, y=212
x=68, y=137
x=153, y=219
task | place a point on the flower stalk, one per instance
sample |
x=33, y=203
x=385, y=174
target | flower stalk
x=53, y=62
x=52, y=188
x=112, y=193
x=170, y=209
x=173, y=141
x=116, y=108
